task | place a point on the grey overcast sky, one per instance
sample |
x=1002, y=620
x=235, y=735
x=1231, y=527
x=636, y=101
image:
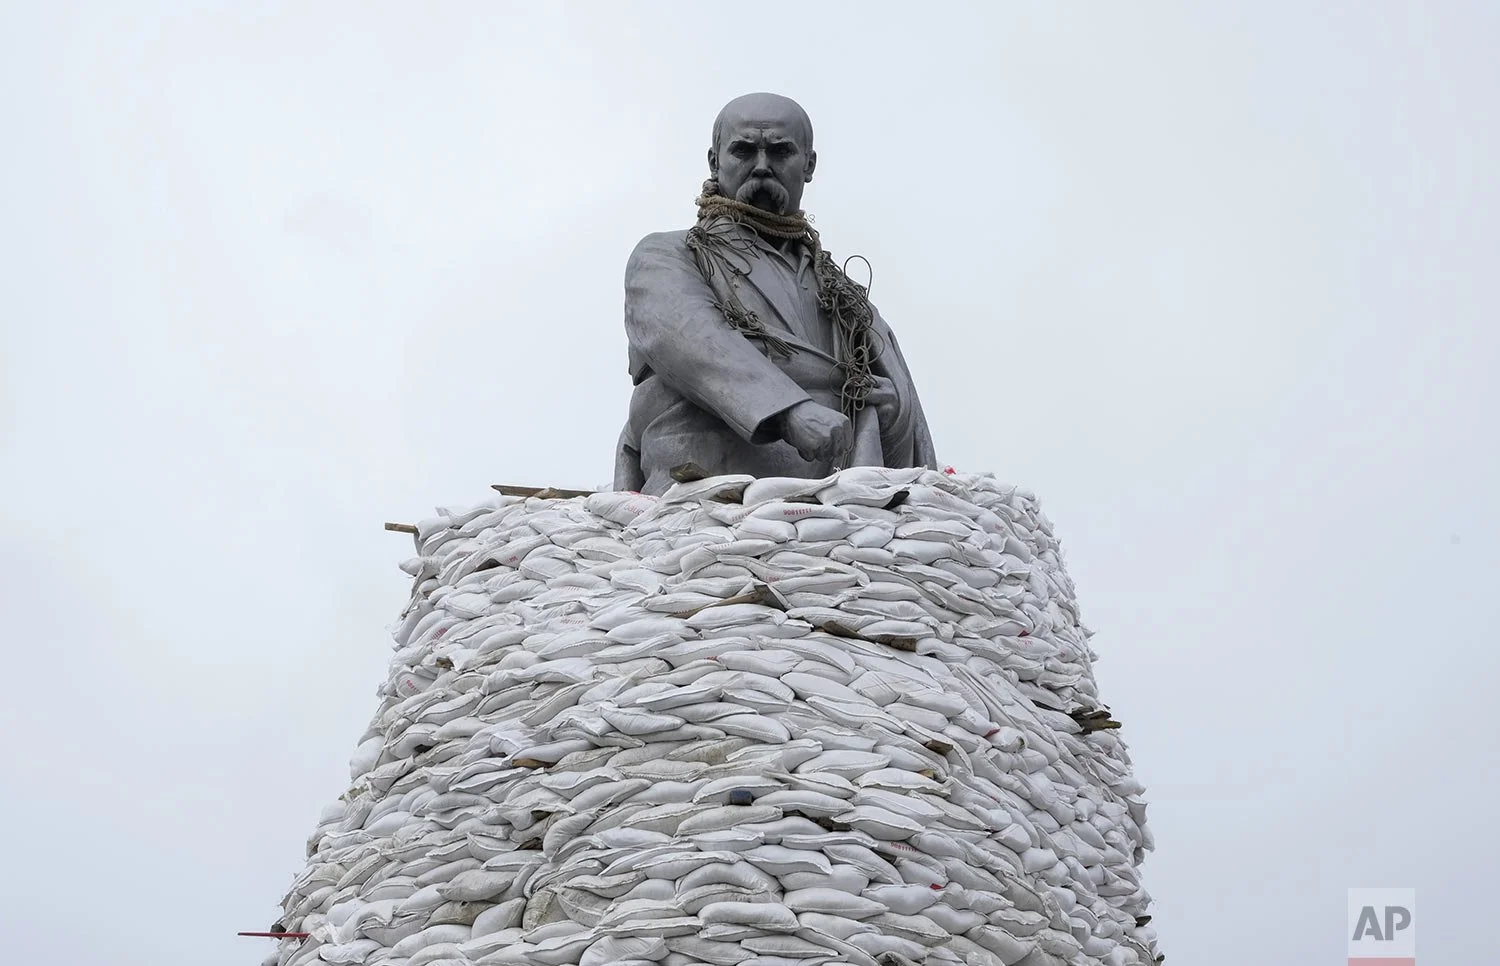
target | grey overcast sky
x=1218, y=281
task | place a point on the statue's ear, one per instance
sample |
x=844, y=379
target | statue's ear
x=812, y=162
x=713, y=163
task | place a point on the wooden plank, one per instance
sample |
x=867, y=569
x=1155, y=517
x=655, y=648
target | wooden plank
x=539, y=492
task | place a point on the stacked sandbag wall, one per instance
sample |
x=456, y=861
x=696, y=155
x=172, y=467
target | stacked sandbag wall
x=774, y=722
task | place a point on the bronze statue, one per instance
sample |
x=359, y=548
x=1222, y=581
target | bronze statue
x=750, y=348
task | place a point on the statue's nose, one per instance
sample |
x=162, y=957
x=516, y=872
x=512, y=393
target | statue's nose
x=762, y=163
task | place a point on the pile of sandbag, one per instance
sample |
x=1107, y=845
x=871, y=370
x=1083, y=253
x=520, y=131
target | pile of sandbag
x=766, y=722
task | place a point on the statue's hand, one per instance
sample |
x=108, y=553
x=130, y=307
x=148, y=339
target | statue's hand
x=885, y=400
x=818, y=433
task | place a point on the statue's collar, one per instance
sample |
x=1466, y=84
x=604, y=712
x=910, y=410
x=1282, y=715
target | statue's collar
x=798, y=257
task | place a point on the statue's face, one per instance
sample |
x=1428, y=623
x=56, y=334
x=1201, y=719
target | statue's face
x=764, y=159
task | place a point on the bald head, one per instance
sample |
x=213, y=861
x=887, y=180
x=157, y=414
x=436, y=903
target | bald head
x=765, y=108
x=762, y=151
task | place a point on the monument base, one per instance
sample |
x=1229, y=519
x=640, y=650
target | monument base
x=771, y=721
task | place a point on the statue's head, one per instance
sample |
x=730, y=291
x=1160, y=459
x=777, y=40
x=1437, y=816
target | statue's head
x=762, y=152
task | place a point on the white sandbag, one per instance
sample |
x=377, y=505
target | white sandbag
x=816, y=529
x=675, y=864
x=758, y=727
x=755, y=784
x=809, y=685
x=846, y=764
x=430, y=936
x=854, y=714
x=777, y=949
x=918, y=929
x=694, y=900
x=1011, y=950
x=885, y=947
x=881, y=823
x=955, y=921
x=348, y=953
x=505, y=915
x=560, y=949
x=771, y=662
x=906, y=900
x=804, y=801
x=833, y=902
x=734, y=615
x=742, y=874
x=838, y=927
x=778, y=860
x=728, y=840
x=865, y=860
x=428, y=898
x=900, y=780
x=708, y=951
x=647, y=628
x=764, y=915
x=789, y=827
x=620, y=508
x=634, y=721
x=822, y=782
x=912, y=806
x=728, y=817
x=842, y=878
x=438, y=953
x=615, y=949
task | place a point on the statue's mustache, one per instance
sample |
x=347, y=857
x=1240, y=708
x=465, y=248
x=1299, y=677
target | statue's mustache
x=771, y=188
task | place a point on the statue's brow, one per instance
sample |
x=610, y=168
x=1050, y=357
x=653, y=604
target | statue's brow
x=752, y=140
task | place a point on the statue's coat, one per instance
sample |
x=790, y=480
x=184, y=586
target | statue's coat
x=707, y=394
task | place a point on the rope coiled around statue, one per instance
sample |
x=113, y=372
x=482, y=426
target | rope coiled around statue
x=717, y=247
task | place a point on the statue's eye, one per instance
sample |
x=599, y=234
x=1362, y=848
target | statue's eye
x=782, y=149
x=740, y=149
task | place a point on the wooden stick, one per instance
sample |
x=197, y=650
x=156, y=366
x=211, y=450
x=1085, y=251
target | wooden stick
x=401, y=527
x=540, y=492
x=276, y=935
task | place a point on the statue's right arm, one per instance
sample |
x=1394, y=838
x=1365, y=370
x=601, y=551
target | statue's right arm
x=673, y=323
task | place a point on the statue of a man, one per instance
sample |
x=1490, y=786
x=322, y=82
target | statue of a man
x=751, y=350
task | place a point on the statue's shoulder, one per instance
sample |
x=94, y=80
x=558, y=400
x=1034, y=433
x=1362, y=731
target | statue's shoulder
x=662, y=242
x=657, y=252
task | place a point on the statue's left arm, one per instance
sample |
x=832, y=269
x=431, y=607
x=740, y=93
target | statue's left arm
x=910, y=442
